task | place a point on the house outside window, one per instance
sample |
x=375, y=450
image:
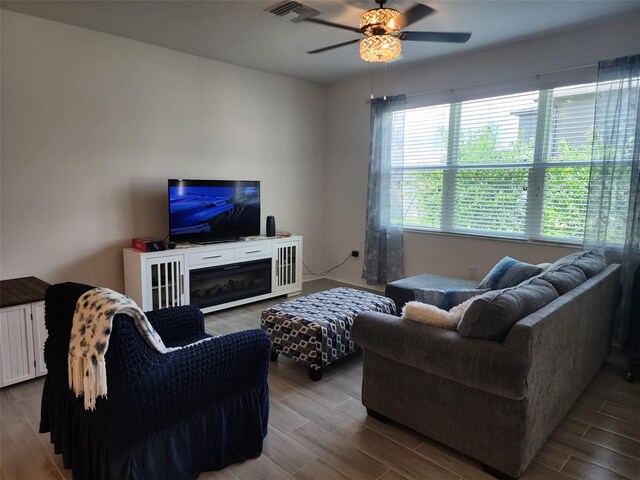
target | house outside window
x=513, y=166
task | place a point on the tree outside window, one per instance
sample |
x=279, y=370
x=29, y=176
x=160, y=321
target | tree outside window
x=514, y=166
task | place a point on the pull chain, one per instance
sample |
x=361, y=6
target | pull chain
x=372, y=75
x=384, y=83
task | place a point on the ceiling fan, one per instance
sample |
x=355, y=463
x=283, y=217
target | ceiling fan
x=382, y=29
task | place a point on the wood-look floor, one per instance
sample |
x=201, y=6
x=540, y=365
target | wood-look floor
x=320, y=430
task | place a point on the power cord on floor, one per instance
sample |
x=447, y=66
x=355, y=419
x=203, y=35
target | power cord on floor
x=324, y=273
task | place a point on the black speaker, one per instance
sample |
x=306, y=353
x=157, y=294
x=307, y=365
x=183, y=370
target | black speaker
x=271, y=226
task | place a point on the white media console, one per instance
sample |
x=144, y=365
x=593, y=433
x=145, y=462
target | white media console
x=216, y=276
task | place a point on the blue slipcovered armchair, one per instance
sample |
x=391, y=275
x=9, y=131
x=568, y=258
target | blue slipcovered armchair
x=169, y=415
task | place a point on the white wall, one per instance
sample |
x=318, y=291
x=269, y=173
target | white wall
x=348, y=138
x=93, y=125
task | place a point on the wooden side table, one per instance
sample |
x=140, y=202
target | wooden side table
x=22, y=330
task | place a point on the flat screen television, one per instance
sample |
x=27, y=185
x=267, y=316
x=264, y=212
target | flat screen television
x=207, y=211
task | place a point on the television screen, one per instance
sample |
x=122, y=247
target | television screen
x=202, y=211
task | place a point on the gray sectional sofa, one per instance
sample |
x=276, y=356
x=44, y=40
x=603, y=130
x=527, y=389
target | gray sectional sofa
x=494, y=400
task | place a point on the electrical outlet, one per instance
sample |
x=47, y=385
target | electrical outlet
x=473, y=272
x=355, y=253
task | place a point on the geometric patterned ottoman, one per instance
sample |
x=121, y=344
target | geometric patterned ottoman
x=315, y=330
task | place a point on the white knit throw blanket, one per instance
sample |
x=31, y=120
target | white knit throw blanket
x=92, y=325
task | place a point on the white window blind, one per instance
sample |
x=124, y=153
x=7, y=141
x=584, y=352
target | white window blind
x=512, y=166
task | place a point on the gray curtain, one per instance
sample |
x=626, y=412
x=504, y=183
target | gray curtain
x=383, y=248
x=613, y=210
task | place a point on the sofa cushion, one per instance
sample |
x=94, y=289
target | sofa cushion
x=492, y=314
x=509, y=272
x=591, y=263
x=564, y=278
x=486, y=366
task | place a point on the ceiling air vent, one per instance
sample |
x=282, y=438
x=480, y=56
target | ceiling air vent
x=302, y=11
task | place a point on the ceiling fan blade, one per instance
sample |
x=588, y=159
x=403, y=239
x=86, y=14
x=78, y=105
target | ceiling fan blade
x=415, y=13
x=334, y=46
x=449, y=37
x=335, y=25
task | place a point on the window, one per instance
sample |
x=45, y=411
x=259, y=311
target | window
x=512, y=166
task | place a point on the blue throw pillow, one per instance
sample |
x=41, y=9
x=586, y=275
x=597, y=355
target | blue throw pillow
x=509, y=272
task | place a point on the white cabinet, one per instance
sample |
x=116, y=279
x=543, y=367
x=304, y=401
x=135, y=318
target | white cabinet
x=22, y=336
x=214, y=277
x=16, y=337
x=165, y=282
x=287, y=269
x=22, y=331
x=155, y=280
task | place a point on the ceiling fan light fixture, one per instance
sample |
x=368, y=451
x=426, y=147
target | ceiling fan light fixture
x=380, y=48
x=380, y=20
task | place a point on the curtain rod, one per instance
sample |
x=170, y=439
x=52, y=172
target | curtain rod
x=521, y=77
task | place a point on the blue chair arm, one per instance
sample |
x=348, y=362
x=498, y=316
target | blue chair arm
x=161, y=389
x=218, y=367
x=177, y=322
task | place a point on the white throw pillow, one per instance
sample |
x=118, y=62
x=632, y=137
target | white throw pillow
x=429, y=314
x=434, y=316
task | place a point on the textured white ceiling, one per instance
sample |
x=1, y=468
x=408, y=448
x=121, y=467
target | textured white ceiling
x=245, y=33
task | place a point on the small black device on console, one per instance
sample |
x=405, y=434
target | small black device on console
x=271, y=226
